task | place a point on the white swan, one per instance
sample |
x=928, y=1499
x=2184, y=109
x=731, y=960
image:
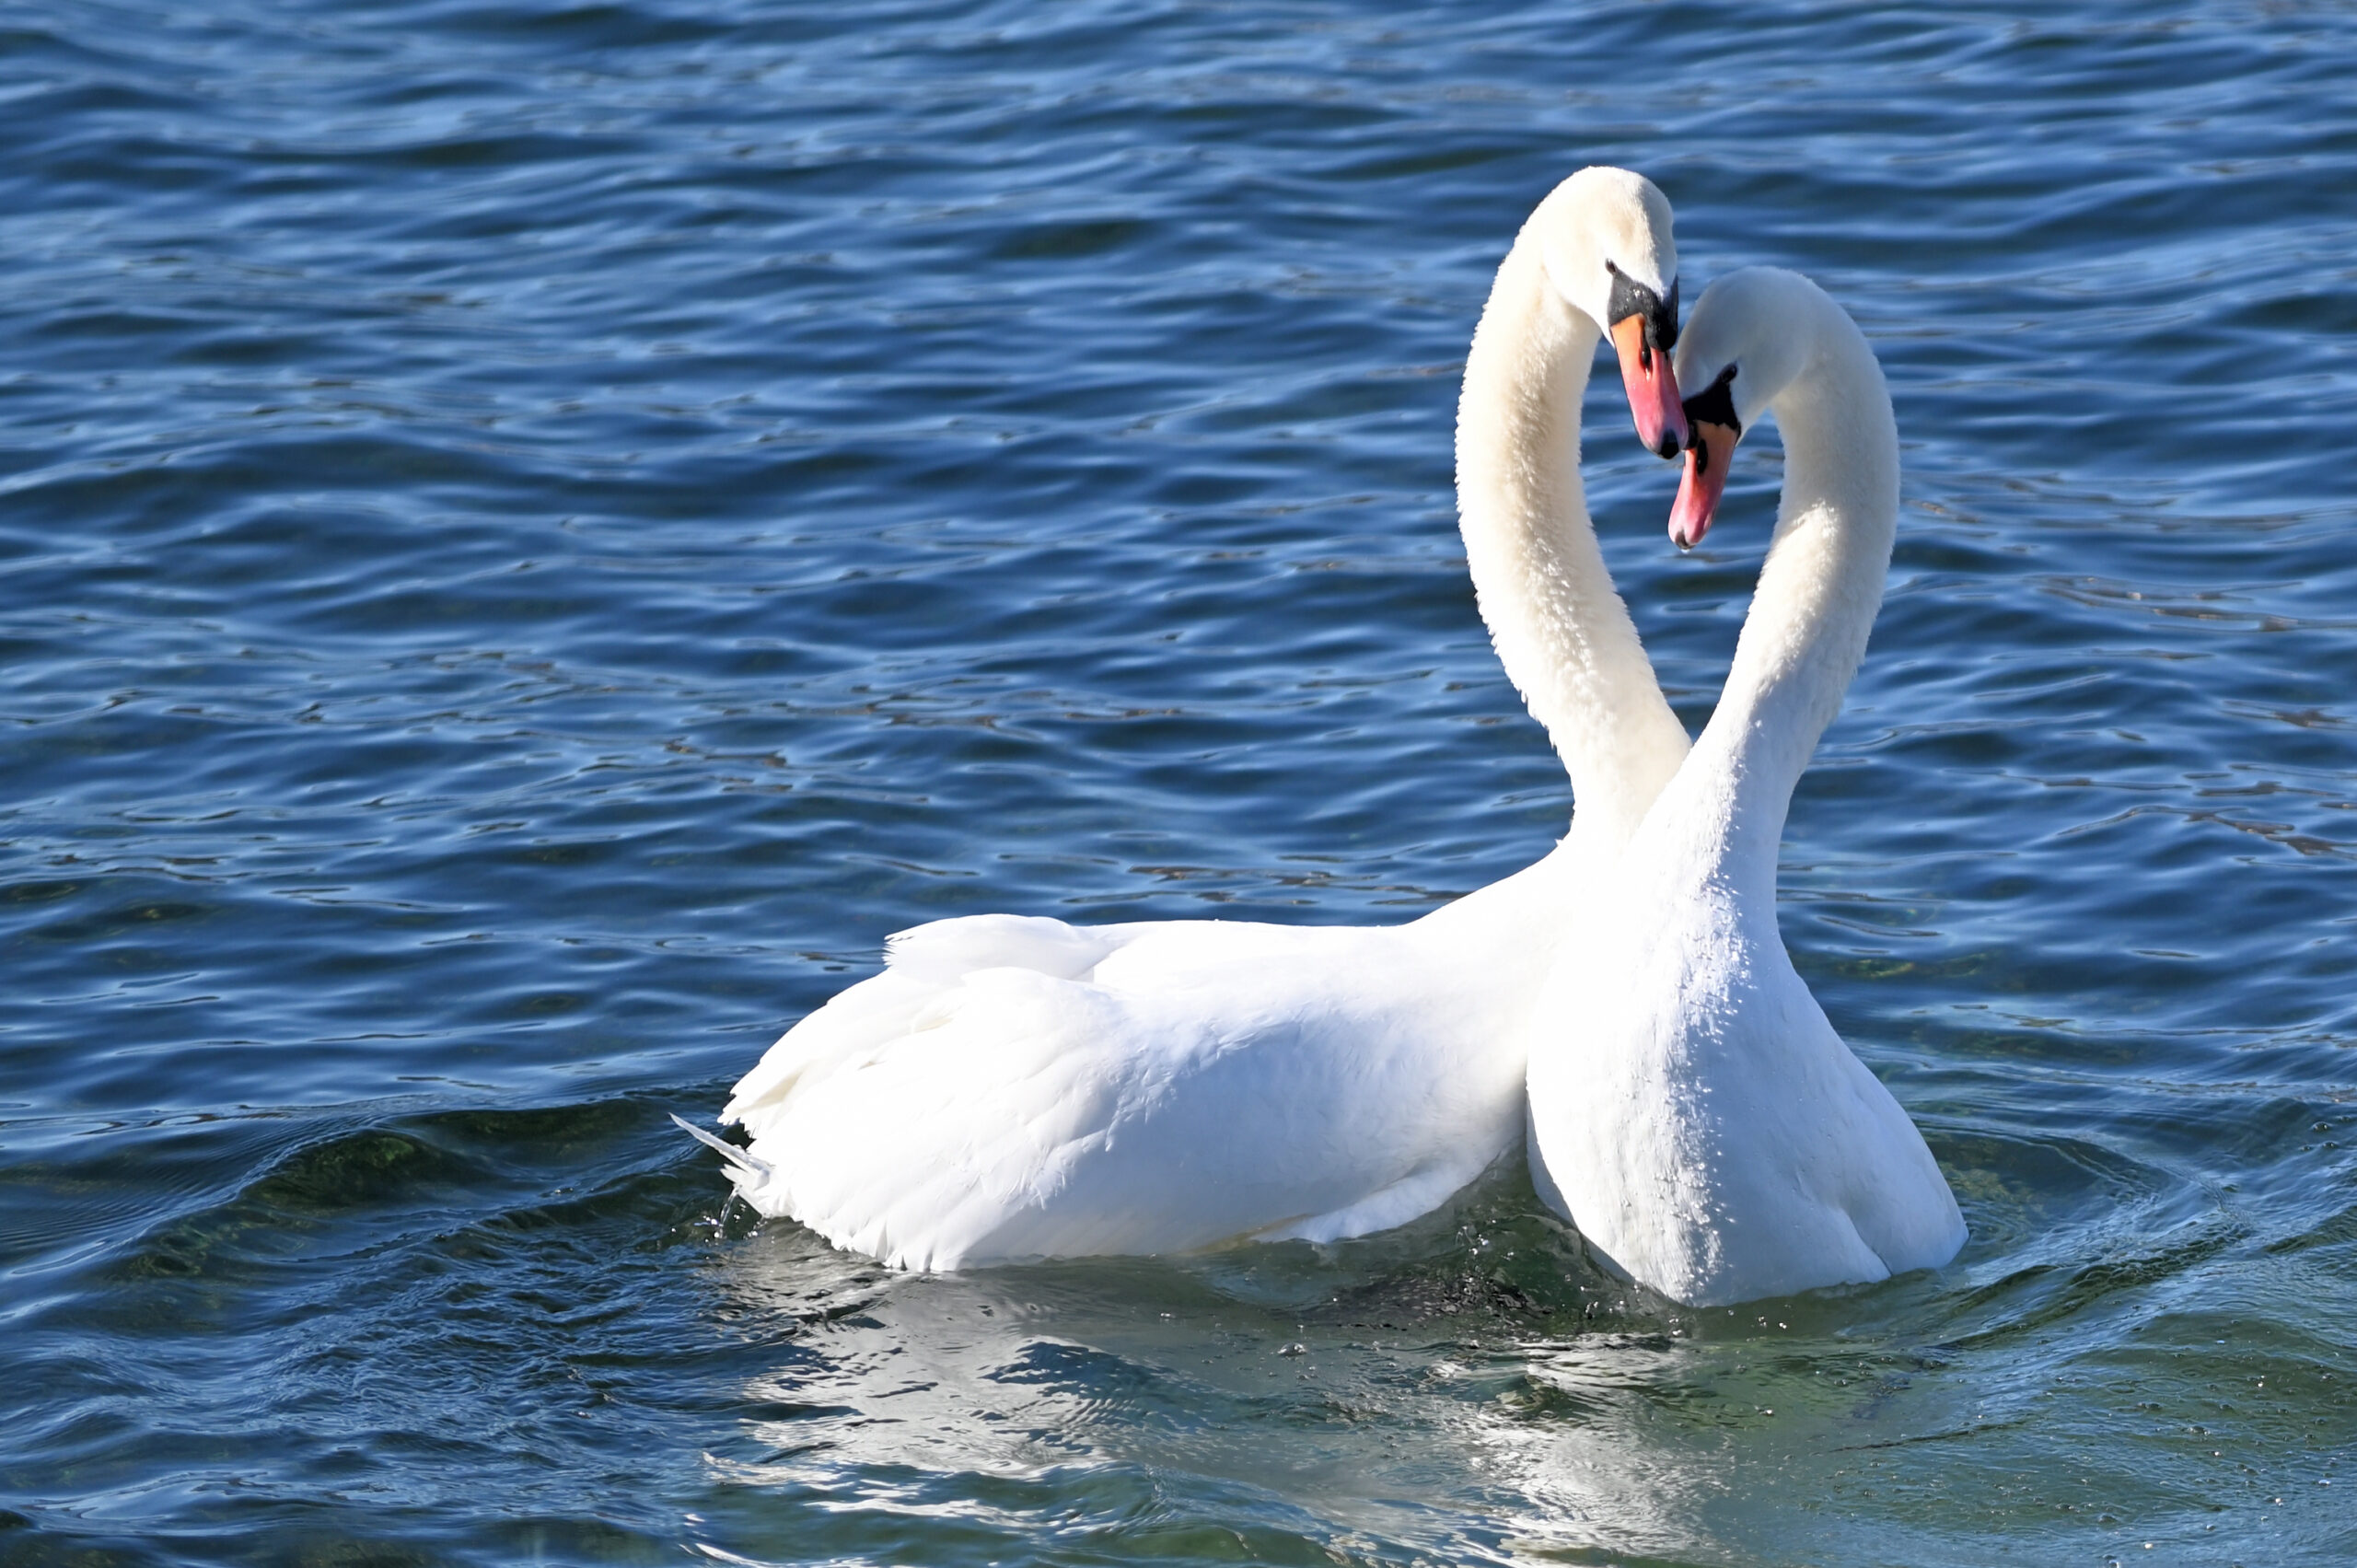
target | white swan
x=1692, y=1110
x=1013, y=1086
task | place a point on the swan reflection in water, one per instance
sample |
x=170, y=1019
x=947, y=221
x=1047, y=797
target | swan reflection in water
x=1440, y=1388
x=1471, y=1386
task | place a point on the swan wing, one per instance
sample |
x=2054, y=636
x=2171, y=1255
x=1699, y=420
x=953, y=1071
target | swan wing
x=908, y=1147
x=1204, y=1082
x=922, y=965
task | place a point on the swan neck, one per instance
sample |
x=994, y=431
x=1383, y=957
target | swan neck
x=1562, y=632
x=1822, y=582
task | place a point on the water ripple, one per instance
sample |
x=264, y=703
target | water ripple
x=534, y=534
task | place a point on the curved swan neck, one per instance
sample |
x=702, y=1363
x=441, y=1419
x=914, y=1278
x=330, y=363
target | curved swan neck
x=1822, y=584
x=1562, y=633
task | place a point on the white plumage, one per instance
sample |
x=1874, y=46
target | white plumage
x=1691, y=1110
x=1205, y=1081
x=1013, y=1087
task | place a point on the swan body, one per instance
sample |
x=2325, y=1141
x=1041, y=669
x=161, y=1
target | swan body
x=1015, y=1087
x=1691, y=1110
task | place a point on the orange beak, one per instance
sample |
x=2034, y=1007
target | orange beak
x=1707, y=461
x=1652, y=387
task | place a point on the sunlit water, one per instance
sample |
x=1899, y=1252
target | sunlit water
x=534, y=537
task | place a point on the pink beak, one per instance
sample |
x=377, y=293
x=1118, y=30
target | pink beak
x=1707, y=461
x=1652, y=387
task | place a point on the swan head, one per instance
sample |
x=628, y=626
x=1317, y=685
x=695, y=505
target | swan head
x=1605, y=236
x=1744, y=343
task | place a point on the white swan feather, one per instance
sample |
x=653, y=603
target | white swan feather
x=1013, y=1087
x=1691, y=1110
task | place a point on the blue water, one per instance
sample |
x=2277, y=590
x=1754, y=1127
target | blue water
x=531, y=537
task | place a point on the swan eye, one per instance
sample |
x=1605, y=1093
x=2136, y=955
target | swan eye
x=1631, y=298
x=1715, y=404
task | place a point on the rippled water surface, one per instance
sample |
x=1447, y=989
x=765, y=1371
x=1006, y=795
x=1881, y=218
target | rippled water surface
x=534, y=536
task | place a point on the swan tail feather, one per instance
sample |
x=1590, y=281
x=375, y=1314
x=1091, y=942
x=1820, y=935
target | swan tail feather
x=954, y=1140
x=744, y=1164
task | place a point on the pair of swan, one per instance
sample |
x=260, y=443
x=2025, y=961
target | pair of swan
x=1015, y=1087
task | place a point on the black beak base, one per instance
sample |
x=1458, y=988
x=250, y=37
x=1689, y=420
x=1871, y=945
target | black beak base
x=1715, y=404
x=1631, y=298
